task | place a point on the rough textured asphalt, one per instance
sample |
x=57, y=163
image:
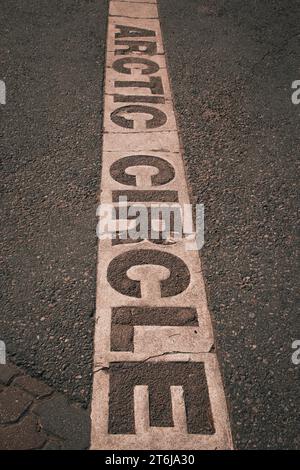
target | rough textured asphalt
x=52, y=59
x=231, y=66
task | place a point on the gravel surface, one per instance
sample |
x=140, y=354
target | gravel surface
x=52, y=59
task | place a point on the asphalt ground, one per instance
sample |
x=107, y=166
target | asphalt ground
x=231, y=66
x=52, y=59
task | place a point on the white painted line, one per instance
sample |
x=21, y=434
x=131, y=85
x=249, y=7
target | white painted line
x=133, y=10
x=157, y=385
x=141, y=142
x=138, y=1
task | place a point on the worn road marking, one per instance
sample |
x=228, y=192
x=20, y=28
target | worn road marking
x=156, y=383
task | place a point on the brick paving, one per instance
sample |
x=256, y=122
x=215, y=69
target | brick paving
x=34, y=416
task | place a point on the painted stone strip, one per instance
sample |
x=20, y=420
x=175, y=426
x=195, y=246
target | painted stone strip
x=157, y=384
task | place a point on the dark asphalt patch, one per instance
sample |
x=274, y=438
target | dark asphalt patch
x=52, y=59
x=231, y=66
